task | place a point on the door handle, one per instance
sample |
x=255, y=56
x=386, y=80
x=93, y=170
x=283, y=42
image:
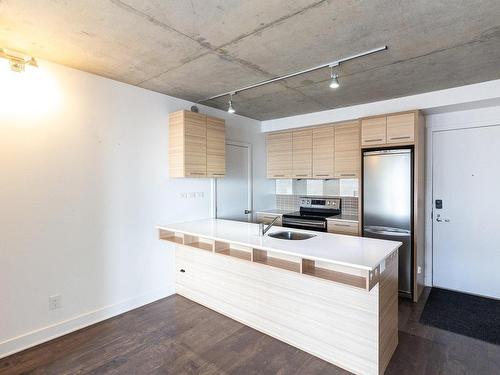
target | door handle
x=248, y=212
x=440, y=220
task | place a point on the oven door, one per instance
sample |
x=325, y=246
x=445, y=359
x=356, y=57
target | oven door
x=299, y=223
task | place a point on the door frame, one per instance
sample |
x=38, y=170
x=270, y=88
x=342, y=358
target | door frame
x=440, y=122
x=248, y=146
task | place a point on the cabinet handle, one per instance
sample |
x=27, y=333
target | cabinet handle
x=278, y=175
x=197, y=173
x=373, y=140
x=341, y=225
x=321, y=175
x=217, y=174
x=348, y=174
x=405, y=137
x=301, y=175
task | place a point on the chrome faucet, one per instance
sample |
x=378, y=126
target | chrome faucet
x=263, y=229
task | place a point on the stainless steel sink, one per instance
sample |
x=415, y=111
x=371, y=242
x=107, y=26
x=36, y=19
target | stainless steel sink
x=289, y=235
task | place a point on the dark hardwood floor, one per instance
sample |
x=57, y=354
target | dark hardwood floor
x=177, y=336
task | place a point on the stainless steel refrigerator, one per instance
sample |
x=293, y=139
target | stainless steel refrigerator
x=388, y=205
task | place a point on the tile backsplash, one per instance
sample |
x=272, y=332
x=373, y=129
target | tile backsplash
x=292, y=203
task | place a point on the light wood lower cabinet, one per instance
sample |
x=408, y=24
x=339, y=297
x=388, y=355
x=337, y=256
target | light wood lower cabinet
x=323, y=152
x=343, y=227
x=347, y=151
x=279, y=155
x=196, y=145
x=302, y=154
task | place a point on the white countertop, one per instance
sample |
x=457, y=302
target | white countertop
x=356, y=252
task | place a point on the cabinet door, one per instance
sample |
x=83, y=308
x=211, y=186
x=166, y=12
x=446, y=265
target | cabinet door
x=216, y=147
x=279, y=155
x=347, y=151
x=323, y=145
x=195, y=144
x=373, y=131
x=302, y=154
x=401, y=128
x=343, y=227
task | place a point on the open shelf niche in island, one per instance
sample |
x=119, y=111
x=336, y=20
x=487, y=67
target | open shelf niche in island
x=235, y=251
x=276, y=260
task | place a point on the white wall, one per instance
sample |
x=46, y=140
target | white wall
x=83, y=182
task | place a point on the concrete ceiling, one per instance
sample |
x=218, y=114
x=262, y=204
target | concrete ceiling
x=198, y=48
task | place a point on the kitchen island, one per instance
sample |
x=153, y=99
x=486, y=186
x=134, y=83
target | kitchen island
x=331, y=295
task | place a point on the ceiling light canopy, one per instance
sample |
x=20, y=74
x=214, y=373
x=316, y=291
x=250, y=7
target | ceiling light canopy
x=17, y=60
x=334, y=83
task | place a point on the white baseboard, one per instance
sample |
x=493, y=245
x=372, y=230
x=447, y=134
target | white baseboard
x=27, y=340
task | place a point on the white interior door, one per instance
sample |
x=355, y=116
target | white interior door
x=234, y=191
x=466, y=177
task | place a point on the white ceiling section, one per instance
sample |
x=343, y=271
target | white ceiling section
x=196, y=49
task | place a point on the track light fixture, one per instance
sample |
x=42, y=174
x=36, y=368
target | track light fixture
x=334, y=84
x=17, y=60
x=230, y=108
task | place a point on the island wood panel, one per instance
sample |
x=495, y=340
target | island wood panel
x=373, y=131
x=323, y=147
x=388, y=311
x=195, y=144
x=331, y=321
x=401, y=128
x=279, y=155
x=176, y=144
x=302, y=149
x=347, y=150
x=216, y=147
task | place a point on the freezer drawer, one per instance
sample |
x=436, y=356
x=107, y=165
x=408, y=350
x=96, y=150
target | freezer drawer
x=405, y=253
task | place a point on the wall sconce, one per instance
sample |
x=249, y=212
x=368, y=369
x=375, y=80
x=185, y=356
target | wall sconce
x=17, y=60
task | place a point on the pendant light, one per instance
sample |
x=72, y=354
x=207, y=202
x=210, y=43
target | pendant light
x=230, y=108
x=334, y=84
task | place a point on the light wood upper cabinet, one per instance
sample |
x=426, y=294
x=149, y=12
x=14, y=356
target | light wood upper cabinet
x=323, y=146
x=279, y=155
x=216, y=147
x=401, y=128
x=373, y=131
x=196, y=145
x=347, y=150
x=388, y=130
x=302, y=154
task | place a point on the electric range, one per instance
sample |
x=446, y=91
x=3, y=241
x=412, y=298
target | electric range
x=313, y=213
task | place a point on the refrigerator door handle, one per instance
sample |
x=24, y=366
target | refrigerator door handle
x=387, y=231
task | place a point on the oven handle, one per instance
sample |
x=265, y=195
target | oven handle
x=310, y=223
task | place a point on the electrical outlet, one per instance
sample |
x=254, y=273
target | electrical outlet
x=419, y=270
x=55, y=302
